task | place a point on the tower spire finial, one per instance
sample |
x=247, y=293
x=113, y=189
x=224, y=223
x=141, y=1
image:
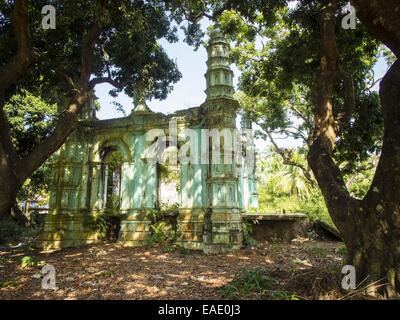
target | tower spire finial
x=139, y=100
x=219, y=76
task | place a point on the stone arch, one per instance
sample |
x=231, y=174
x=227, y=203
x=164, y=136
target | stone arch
x=116, y=144
x=100, y=151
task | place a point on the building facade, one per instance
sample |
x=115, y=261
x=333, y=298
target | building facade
x=104, y=165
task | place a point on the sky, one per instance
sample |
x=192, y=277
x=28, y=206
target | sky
x=189, y=91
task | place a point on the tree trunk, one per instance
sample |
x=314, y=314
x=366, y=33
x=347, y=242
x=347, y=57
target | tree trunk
x=381, y=258
x=370, y=227
x=9, y=187
x=9, y=182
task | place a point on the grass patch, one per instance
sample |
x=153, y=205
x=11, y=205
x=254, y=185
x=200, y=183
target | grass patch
x=247, y=282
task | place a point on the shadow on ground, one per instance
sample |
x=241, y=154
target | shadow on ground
x=301, y=270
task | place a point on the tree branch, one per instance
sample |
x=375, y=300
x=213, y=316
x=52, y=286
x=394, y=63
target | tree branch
x=25, y=55
x=66, y=78
x=326, y=172
x=87, y=53
x=115, y=83
x=288, y=160
x=68, y=119
x=375, y=83
x=300, y=115
x=350, y=98
x=11, y=72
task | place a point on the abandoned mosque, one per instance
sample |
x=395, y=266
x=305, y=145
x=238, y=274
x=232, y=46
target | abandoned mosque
x=103, y=167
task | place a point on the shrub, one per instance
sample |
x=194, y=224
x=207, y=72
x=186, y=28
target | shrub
x=161, y=232
x=248, y=239
x=10, y=231
x=27, y=262
x=106, y=224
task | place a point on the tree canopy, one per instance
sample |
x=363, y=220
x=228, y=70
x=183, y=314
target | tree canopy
x=278, y=59
x=94, y=42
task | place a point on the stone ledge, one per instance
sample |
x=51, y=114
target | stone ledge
x=274, y=216
x=278, y=227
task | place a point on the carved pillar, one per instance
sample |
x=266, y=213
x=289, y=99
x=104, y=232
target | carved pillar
x=222, y=229
x=248, y=167
x=66, y=225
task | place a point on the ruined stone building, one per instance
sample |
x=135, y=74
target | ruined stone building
x=102, y=166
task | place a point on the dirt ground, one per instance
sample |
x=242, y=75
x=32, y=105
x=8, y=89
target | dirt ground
x=302, y=270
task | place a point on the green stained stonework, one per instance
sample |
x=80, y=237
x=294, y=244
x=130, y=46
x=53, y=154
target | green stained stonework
x=211, y=197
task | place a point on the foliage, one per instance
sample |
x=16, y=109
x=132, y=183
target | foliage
x=285, y=295
x=161, y=232
x=128, y=49
x=359, y=182
x=283, y=188
x=106, y=224
x=278, y=58
x=27, y=262
x=283, y=179
x=315, y=207
x=169, y=174
x=245, y=282
x=113, y=160
x=247, y=228
x=342, y=251
x=362, y=140
x=388, y=55
x=31, y=120
x=168, y=208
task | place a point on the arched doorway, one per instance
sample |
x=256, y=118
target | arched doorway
x=111, y=169
x=111, y=178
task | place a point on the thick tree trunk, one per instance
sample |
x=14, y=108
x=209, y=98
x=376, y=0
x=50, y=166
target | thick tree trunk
x=382, y=203
x=374, y=254
x=370, y=227
x=8, y=205
x=9, y=182
x=9, y=187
